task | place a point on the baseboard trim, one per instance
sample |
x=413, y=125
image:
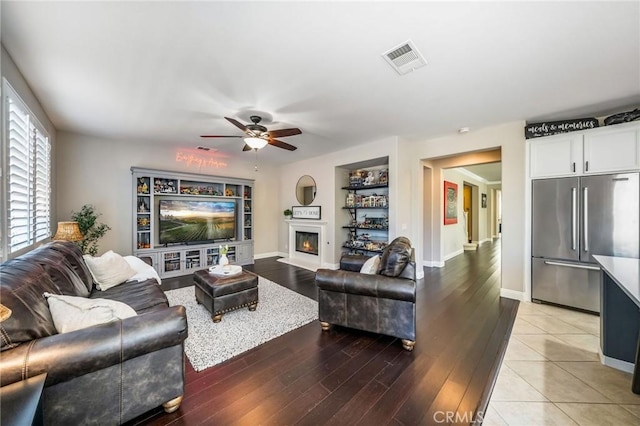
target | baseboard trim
x=512, y=294
x=334, y=266
x=616, y=363
x=299, y=264
x=433, y=264
x=454, y=254
x=270, y=254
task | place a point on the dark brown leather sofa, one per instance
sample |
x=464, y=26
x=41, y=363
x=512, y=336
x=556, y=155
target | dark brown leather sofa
x=383, y=303
x=105, y=374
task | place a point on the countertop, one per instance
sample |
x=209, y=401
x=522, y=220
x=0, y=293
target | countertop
x=625, y=272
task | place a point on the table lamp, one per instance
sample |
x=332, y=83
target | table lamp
x=5, y=312
x=68, y=231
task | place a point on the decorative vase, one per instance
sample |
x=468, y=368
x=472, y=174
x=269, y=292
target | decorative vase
x=223, y=260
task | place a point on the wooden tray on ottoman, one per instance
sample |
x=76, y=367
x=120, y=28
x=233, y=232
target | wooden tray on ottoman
x=221, y=295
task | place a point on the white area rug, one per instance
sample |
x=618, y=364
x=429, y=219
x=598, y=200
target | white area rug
x=279, y=311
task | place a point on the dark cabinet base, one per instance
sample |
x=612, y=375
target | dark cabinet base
x=619, y=326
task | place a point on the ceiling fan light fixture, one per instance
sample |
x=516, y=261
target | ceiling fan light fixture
x=255, y=143
x=257, y=136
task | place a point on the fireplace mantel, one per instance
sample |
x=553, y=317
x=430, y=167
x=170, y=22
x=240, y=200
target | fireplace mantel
x=303, y=260
x=305, y=222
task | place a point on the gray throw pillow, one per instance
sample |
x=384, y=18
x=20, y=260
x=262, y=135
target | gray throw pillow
x=395, y=257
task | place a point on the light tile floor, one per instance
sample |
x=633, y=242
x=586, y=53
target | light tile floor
x=551, y=374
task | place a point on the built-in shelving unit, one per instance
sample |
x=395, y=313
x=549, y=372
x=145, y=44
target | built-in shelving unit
x=248, y=213
x=367, y=201
x=152, y=186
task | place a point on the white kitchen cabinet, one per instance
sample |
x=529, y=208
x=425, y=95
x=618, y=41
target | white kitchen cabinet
x=555, y=156
x=603, y=150
x=611, y=151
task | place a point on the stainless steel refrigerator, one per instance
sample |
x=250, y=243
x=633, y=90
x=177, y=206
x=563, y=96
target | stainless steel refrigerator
x=573, y=219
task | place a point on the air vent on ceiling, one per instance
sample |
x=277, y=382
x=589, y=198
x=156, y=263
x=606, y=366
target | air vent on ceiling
x=405, y=58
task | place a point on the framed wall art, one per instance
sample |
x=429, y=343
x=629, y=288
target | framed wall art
x=483, y=201
x=450, y=203
x=306, y=212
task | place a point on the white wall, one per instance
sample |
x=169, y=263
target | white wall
x=92, y=170
x=454, y=235
x=17, y=81
x=493, y=205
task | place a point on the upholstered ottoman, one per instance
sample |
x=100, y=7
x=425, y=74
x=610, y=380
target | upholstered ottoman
x=221, y=295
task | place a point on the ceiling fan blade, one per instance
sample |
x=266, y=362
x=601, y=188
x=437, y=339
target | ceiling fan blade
x=236, y=123
x=220, y=136
x=246, y=147
x=281, y=133
x=281, y=144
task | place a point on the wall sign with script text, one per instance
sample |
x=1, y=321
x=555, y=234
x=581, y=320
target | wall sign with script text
x=548, y=128
x=306, y=212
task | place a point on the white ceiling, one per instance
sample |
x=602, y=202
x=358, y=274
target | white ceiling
x=166, y=72
x=490, y=172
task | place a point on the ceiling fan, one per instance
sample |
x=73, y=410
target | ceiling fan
x=257, y=136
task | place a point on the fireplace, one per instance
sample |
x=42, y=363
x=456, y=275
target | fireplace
x=312, y=254
x=307, y=242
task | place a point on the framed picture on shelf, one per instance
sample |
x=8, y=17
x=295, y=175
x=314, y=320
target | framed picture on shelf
x=450, y=203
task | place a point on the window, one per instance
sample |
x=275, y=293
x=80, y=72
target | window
x=27, y=176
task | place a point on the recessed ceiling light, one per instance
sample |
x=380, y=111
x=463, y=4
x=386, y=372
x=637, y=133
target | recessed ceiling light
x=463, y=130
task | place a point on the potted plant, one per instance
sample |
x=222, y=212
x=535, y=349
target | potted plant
x=90, y=228
x=288, y=213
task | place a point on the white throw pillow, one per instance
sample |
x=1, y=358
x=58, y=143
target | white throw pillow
x=71, y=313
x=371, y=266
x=143, y=270
x=109, y=270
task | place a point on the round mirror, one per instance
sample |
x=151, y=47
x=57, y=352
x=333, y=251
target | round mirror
x=306, y=190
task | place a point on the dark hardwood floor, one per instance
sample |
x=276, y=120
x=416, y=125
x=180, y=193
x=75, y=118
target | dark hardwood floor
x=346, y=376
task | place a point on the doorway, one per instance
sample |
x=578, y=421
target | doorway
x=467, y=208
x=478, y=185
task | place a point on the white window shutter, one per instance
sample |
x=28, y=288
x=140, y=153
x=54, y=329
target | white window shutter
x=42, y=187
x=18, y=203
x=28, y=165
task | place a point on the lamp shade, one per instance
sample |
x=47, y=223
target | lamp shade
x=255, y=143
x=68, y=231
x=4, y=312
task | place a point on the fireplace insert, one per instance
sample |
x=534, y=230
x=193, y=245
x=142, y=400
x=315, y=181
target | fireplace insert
x=307, y=242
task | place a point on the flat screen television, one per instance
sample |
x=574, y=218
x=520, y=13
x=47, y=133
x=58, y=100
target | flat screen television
x=191, y=221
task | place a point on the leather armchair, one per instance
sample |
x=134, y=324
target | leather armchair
x=382, y=303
